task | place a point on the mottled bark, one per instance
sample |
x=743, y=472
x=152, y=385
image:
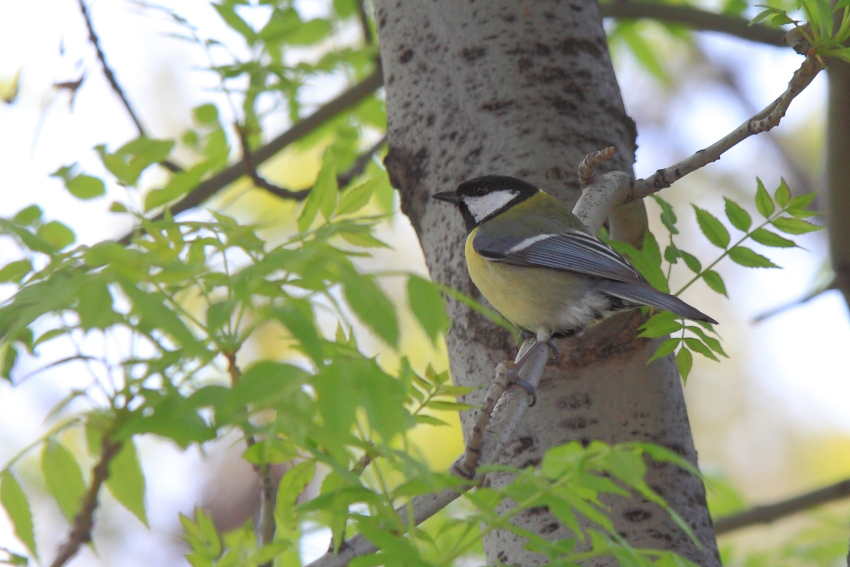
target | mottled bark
x=527, y=89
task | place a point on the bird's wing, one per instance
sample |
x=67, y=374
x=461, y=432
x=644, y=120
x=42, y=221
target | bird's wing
x=573, y=251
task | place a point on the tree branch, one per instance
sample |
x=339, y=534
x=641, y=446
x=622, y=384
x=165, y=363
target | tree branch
x=368, y=36
x=84, y=520
x=225, y=177
x=765, y=120
x=113, y=82
x=772, y=512
x=342, y=179
x=501, y=425
x=698, y=19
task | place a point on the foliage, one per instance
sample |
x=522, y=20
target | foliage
x=827, y=26
x=188, y=297
x=782, y=212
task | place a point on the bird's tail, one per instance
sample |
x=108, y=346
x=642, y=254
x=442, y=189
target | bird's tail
x=644, y=294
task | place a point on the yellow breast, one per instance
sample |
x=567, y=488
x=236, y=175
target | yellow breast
x=539, y=300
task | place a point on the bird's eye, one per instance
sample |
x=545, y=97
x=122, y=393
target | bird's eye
x=480, y=190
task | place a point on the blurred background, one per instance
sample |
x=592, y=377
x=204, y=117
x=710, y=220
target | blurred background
x=769, y=422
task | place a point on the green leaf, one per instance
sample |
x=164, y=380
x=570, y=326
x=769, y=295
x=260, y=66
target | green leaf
x=672, y=254
x=363, y=240
x=15, y=271
x=798, y=207
x=27, y=215
x=14, y=500
x=644, y=263
x=715, y=282
x=154, y=314
x=643, y=50
x=761, y=16
x=650, y=247
x=219, y=314
x=691, y=261
x=56, y=234
x=712, y=228
x=310, y=32
x=322, y=197
x=356, y=198
x=292, y=484
x=428, y=307
x=231, y=18
x=179, y=184
x=86, y=187
x=443, y=405
x=8, y=358
x=665, y=348
x=684, y=360
x=95, y=306
x=345, y=8
x=698, y=346
x=297, y=316
x=174, y=417
x=372, y=307
x=709, y=341
x=795, y=226
x=63, y=477
x=739, y=218
x=782, y=196
x=768, y=238
x=126, y=481
x=764, y=204
x=748, y=258
x=668, y=215
x=206, y=113
x=660, y=325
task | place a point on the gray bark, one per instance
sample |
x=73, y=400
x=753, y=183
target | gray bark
x=527, y=89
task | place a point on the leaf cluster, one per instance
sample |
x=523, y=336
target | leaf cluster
x=780, y=212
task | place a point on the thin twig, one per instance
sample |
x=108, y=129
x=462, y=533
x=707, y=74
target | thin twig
x=693, y=18
x=732, y=82
x=342, y=179
x=84, y=520
x=765, y=120
x=467, y=464
x=259, y=180
x=225, y=177
x=113, y=82
x=268, y=491
x=772, y=512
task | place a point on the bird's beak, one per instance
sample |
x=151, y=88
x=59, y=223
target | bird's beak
x=447, y=196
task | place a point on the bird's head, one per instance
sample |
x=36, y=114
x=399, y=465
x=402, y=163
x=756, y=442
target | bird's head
x=483, y=198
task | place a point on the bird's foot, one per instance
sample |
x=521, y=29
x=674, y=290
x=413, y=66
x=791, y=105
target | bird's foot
x=513, y=375
x=555, y=352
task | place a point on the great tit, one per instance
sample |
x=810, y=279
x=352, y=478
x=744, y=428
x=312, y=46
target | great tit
x=538, y=265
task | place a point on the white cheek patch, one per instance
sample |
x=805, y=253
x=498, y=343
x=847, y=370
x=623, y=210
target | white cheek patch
x=482, y=207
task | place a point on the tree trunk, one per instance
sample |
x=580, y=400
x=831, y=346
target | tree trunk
x=838, y=174
x=527, y=89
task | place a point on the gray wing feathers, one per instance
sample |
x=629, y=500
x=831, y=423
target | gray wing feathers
x=644, y=294
x=574, y=251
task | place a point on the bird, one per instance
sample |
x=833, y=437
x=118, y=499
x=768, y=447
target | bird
x=540, y=267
